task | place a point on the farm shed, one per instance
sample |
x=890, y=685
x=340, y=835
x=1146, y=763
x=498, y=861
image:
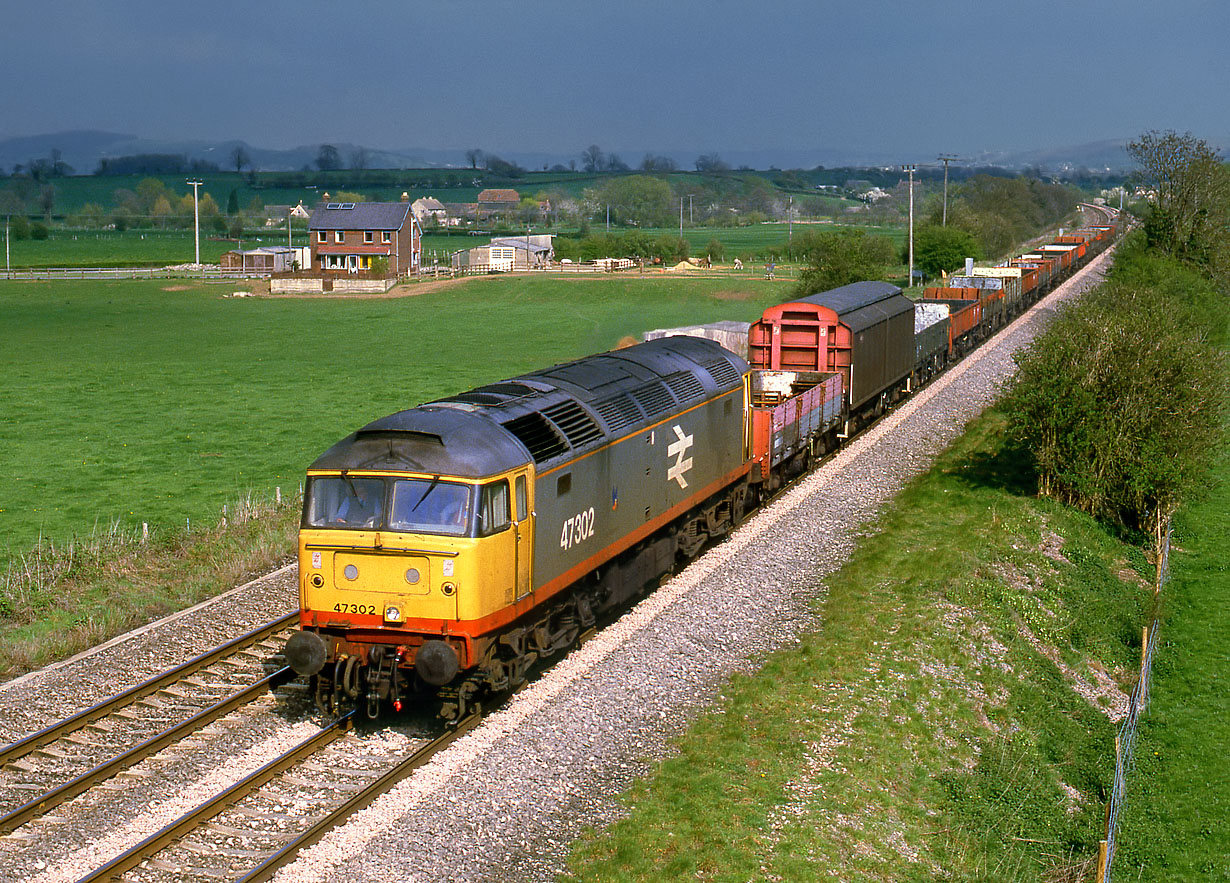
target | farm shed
x=267, y=259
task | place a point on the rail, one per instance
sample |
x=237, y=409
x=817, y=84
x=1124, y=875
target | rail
x=24, y=746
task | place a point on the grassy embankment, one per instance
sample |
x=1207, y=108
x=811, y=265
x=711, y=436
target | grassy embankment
x=1178, y=796
x=147, y=402
x=925, y=730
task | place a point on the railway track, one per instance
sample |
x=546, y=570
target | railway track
x=69, y=757
x=249, y=841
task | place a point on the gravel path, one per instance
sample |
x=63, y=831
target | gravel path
x=505, y=802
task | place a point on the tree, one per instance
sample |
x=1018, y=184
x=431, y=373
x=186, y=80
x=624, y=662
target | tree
x=639, y=199
x=652, y=163
x=240, y=158
x=327, y=158
x=941, y=249
x=615, y=164
x=359, y=158
x=593, y=159
x=232, y=203
x=711, y=162
x=836, y=259
x=1191, y=195
x=47, y=200
x=474, y=156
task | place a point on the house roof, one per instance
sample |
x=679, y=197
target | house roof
x=497, y=195
x=537, y=244
x=359, y=216
x=428, y=204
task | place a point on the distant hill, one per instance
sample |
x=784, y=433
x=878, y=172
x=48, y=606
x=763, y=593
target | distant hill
x=83, y=149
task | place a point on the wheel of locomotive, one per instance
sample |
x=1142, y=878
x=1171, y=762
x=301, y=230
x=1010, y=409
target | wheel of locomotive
x=350, y=677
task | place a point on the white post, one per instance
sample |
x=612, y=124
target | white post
x=910, y=169
x=196, y=220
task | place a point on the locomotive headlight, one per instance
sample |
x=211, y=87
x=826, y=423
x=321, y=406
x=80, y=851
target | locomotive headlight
x=351, y=572
x=392, y=613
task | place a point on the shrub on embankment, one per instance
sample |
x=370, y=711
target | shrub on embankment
x=1121, y=404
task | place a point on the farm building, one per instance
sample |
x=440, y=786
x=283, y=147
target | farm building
x=506, y=253
x=347, y=236
x=428, y=211
x=267, y=259
x=495, y=202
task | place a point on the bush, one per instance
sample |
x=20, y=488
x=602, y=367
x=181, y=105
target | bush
x=1121, y=403
x=39, y=231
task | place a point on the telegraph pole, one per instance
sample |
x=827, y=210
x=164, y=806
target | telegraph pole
x=945, y=159
x=196, y=220
x=910, y=169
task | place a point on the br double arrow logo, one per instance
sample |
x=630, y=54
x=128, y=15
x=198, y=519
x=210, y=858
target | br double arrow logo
x=677, y=449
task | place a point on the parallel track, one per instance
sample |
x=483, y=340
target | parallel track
x=40, y=805
x=276, y=858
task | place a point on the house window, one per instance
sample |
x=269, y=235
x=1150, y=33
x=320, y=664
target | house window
x=368, y=236
x=341, y=236
x=499, y=253
x=386, y=236
x=322, y=236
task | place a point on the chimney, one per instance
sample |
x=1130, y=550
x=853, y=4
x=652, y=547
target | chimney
x=405, y=197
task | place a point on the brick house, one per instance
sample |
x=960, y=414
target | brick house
x=346, y=237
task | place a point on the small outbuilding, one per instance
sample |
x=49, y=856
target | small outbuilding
x=263, y=260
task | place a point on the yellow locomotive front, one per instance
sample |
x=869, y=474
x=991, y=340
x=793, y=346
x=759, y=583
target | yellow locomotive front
x=412, y=548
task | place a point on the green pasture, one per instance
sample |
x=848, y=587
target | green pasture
x=112, y=248
x=155, y=402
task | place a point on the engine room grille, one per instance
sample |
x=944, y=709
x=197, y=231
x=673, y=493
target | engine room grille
x=653, y=399
x=685, y=386
x=723, y=372
x=618, y=412
x=574, y=421
x=538, y=435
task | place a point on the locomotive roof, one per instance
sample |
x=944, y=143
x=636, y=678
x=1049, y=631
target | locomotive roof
x=546, y=415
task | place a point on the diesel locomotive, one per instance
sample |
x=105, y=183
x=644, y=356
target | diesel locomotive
x=447, y=548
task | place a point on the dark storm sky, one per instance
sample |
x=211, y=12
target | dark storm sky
x=633, y=76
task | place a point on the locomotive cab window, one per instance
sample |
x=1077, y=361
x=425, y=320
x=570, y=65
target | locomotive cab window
x=493, y=508
x=424, y=505
x=344, y=502
x=523, y=503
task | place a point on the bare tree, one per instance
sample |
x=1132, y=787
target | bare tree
x=593, y=159
x=240, y=158
x=359, y=158
x=327, y=158
x=474, y=156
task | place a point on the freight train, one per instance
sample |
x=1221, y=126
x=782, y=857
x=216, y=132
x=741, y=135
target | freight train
x=447, y=548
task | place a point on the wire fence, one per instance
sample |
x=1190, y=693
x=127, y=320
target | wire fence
x=1125, y=739
x=45, y=273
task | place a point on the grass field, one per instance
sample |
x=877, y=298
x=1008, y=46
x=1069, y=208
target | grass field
x=919, y=734
x=149, y=402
